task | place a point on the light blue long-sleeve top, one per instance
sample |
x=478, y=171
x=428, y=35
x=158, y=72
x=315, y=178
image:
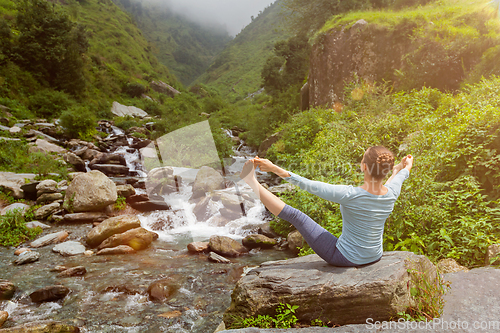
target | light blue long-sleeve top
x=363, y=214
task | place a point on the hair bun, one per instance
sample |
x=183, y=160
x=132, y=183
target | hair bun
x=385, y=158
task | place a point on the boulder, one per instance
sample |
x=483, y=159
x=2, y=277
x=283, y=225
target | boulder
x=295, y=241
x=91, y=191
x=162, y=87
x=201, y=210
x=214, y=257
x=47, y=210
x=266, y=230
x=49, y=197
x=492, y=252
x=75, y=161
x=74, y=271
x=231, y=214
x=164, y=289
x=27, y=257
x=18, y=205
x=12, y=189
x=121, y=110
x=138, y=239
x=232, y=201
x=44, y=326
x=69, y=248
x=89, y=154
x=226, y=246
x=37, y=224
x=46, y=186
x=85, y=217
x=110, y=227
x=341, y=295
x=110, y=169
x=137, y=198
x=198, y=247
x=15, y=130
x=120, y=249
x=150, y=205
x=449, y=265
x=56, y=237
x=50, y=293
x=7, y=290
x=46, y=147
x=4, y=315
x=207, y=180
x=256, y=240
x=125, y=190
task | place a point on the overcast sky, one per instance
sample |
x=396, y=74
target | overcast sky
x=235, y=14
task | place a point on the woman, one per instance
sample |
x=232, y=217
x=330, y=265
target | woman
x=364, y=209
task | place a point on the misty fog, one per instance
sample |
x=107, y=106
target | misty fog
x=234, y=14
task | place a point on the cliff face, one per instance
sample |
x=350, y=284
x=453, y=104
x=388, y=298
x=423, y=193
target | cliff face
x=370, y=52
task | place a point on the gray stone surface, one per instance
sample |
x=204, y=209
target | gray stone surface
x=110, y=227
x=207, y=180
x=34, y=224
x=121, y=110
x=46, y=186
x=91, y=191
x=46, y=147
x=214, y=257
x=17, y=205
x=69, y=248
x=27, y=257
x=45, y=211
x=226, y=246
x=42, y=326
x=341, y=295
x=85, y=217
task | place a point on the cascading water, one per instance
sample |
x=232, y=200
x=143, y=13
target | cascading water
x=112, y=296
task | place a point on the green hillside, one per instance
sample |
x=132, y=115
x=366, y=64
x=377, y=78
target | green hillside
x=237, y=70
x=186, y=48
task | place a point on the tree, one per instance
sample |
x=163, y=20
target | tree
x=50, y=45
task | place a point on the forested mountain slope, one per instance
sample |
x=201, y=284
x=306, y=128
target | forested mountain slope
x=185, y=47
x=237, y=70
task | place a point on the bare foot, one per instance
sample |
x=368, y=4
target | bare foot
x=248, y=171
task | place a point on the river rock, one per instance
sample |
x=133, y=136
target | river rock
x=46, y=186
x=37, y=224
x=231, y=201
x=295, y=241
x=449, y=265
x=111, y=169
x=138, y=239
x=110, y=227
x=69, y=248
x=74, y=271
x=46, y=147
x=226, y=246
x=18, y=205
x=44, y=326
x=231, y=214
x=198, y=247
x=85, y=217
x=150, y=205
x=89, y=154
x=160, y=173
x=346, y=295
x=125, y=190
x=50, y=293
x=27, y=257
x=256, y=240
x=162, y=87
x=214, y=257
x=142, y=143
x=15, y=130
x=137, y=198
x=201, y=210
x=121, y=110
x=207, y=180
x=49, y=197
x=7, y=290
x=12, y=189
x=120, y=249
x=4, y=315
x=47, y=210
x=56, y=237
x=91, y=191
x=75, y=161
x=163, y=290
x=21, y=251
x=492, y=252
x=266, y=230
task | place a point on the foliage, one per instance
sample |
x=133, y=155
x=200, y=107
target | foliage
x=120, y=203
x=427, y=296
x=134, y=89
x=448, y=207
x=13, y=230
x=49, y=103
x=79, y=122
x=285, y=318
x=43, y=164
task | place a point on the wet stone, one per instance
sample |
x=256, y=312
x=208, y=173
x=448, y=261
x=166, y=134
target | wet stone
x=56, y=237
x=36, y=224
x=50, y=293
x=198, y=247
x=4, y=315
x=254, y=241
x=27, y=257
x=214, y=257
x=7, y=289
x=121, y=249
x=69, y=248
x=21, y=251
x=74, y=271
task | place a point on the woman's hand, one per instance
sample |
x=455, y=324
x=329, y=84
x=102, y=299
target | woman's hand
x=408, y=162
x=400, y=166
x=267, y=166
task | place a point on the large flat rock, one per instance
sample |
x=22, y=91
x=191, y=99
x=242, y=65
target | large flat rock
x=340, y=295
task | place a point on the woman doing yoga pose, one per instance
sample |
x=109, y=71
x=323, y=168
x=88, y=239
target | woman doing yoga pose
x=364, y=209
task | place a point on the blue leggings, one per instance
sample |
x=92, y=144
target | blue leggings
x=320, y=240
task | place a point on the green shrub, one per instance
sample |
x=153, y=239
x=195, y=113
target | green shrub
x=134, y=89
x=49, y=103
x=13, y=230
x=79, y=122
x=284, y=318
